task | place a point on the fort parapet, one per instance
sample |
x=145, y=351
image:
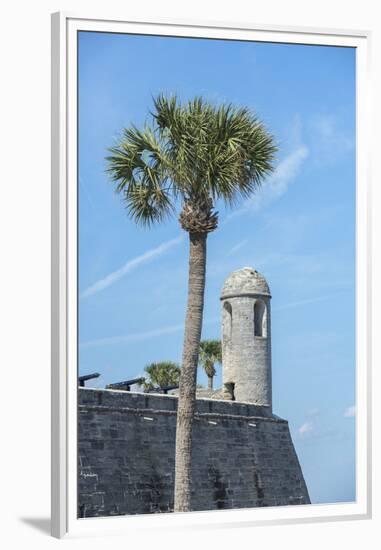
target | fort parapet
x=243, y=455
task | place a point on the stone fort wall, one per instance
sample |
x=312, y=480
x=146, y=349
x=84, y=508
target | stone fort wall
x=243, y=456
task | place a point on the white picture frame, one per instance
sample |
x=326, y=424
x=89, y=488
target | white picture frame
x=64, y=276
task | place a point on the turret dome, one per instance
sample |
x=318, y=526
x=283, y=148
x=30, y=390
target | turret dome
x=245, y=281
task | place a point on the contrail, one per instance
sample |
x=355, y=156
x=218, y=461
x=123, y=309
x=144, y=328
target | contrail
x=132, y=337
x=113, y=277
x=136, y=336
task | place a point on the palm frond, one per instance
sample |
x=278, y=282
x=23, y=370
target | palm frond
x=141, y=168
x=162, y=374
x=210, y=353
x=193, y=151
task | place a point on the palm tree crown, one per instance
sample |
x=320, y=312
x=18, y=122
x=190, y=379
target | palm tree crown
x=162, y=374
x=195, y=152
x=210, y=353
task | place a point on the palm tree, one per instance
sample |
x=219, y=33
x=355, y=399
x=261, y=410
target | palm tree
x=190, y=155
x=210, y=353
x=162, y=374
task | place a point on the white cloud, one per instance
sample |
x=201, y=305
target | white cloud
x=306, y=428
x=350, y=411
x=113, y=277
x=277, y=184
x=327, y=126
x=330, y=139
x=285, y=173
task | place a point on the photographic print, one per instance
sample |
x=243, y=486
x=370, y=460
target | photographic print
x=216, y=274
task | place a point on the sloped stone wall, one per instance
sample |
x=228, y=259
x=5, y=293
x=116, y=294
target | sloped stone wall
x=242, y=455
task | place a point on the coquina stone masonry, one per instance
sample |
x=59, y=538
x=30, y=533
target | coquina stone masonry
x=242, y=454
x=246, y=337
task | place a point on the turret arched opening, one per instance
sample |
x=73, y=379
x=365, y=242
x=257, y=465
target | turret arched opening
x=260, y=319
x=227, y=322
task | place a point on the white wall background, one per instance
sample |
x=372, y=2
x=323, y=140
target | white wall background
x=25, y=272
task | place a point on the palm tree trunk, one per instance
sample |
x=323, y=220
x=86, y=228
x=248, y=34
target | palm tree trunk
x=210, y=382
x=187, y=384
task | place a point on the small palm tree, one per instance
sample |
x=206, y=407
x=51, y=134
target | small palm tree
x=210, y=353
x=191, y=155
x=162, y=374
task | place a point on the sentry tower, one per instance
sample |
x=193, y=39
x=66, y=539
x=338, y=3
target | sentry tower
x=246, y=337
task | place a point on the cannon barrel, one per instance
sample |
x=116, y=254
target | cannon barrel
x=125, y=384
x=84, y=378
x=164, y=389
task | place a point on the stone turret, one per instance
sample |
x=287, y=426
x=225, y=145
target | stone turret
x=246, y=337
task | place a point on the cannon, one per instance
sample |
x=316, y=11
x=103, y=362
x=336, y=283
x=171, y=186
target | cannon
x=83, y=379
x=125, y=385
x=164, y=389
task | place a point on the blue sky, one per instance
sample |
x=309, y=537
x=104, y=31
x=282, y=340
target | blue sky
x=299, y=230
